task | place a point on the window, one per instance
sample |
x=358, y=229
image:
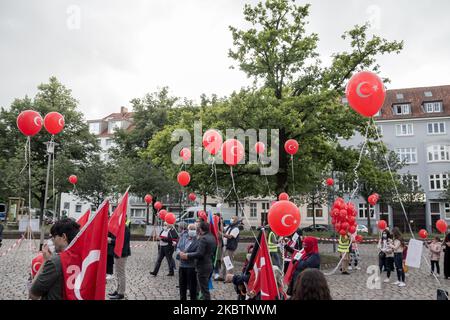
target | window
x=384, y=208
x=412, y=180
x=407, y=155
x=78, y=208
x=137, y=213
x=435, y=208
x=252, y=210
x=94, y=128
x=447, y=210
x=438, y=153
x=433, y=107
x=318, y=211
x=108, y=142
x=265, y=206
x=436, y=128
x=114, y=125
x=404, y=129
x=402, y=109
x=362, y=210
x=428, y=94
x=438, y=182
x=380, y=129
x=66, y=205
x=99, y=142
x=400, y=96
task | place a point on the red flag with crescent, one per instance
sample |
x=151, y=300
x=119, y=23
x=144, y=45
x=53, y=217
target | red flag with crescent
x=84, y=218
x=117, y=222
x=83, y=262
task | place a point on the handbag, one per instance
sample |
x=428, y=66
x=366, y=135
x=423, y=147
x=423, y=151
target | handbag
x=382, y=255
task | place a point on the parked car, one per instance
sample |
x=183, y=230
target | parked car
x=362, y=228
x=316, y=228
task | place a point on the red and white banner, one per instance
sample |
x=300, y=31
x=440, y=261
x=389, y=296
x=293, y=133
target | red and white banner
x=84, y=260
x=262, y=278
x=116, y=224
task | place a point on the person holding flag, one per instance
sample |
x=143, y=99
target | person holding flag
x=48, y=282
x=119, y=228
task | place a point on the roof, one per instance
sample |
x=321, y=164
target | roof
x=416, y=97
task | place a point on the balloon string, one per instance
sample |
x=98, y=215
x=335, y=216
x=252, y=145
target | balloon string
x=293, y=177
x=355, y=170
x=26, y=155
x=265, y=176
x=240, y=205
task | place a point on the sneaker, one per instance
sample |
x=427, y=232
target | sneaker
x=216, y=276
x=386, y=280
x=358, y=268
x=170, y=274
x=113, y=294
x=153, y=273
x=350, y=268
x=117, y=297
x=345, y=272
x=109, y=277
x=402, y=284
x=396, y=283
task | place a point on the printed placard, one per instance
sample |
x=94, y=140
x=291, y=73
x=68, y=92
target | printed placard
x=228, y=263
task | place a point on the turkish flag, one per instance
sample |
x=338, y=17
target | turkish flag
x=84, y=218
x=117, y=222
x=296, y=256
x=262, y=278
x=84, y=260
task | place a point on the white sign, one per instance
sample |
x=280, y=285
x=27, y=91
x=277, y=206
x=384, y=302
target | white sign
x=295, y=237
x=23, y=224
x=299, y=254
x=414, y=255
x=152, y=231
x=227, y=262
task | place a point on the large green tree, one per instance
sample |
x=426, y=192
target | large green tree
x=75, y=151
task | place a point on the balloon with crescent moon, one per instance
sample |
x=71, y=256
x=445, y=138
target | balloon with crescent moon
x=212, y=141
x=29, y=122
x=284, y=218
x=366, y=93
x=54, y=122
x=232, y=152
x=291, y=146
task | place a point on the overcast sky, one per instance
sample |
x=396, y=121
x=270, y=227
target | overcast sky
x=109, y=52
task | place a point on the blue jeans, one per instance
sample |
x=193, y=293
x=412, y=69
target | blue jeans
x=398, y=260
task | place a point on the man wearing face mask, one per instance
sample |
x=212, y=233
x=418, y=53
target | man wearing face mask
x=48, y=283
x=187, y=275
x=230, y=243
x=168, y=238
x=204, y=258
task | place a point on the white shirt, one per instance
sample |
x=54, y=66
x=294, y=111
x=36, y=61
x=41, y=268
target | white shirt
x=164, y=234
x=234, y=232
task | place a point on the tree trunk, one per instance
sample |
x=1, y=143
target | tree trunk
x=314, y=213
x=237, y=208
x=204, y=201
x=147, y=216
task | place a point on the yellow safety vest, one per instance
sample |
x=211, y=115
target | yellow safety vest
x=273, y=247
x=344, y=244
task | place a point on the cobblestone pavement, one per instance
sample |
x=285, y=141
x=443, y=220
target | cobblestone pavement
x=14, y=269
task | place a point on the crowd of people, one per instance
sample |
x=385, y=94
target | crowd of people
x=204, y=256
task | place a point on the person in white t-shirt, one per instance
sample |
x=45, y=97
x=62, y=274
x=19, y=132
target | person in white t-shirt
x=230, y=243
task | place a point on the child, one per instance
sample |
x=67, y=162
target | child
x=435, y=254
x=354, y=254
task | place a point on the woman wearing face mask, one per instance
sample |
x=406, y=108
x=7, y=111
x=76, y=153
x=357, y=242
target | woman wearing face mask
x=167, y=242
x=187, y=275
x=386, y=254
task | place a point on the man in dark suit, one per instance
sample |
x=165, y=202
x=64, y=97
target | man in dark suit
x=204, y=258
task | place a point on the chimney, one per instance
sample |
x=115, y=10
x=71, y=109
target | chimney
x=123, y=110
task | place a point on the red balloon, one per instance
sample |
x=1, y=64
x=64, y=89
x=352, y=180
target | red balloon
x=342, y=232
x=284, y=218
x=212, y=141
x=373, y=199
x=423, y=234
x=183, y=178
x=333, y=220
x=73, y=179
x=382, y=225
x=352, y=229
x=192, y=196
x=291, y=146
x=185, y=154
x=260, y=147
x=202, y=215
x=345, y=226
x=283, y=196
x=37, y=263
x=54, y=122
x=148, y=199
x=351, y=220
x=366, y=93
x=441, y=225
x=170, y=218
x=158, y=205
x=162, y=214
x=232, y=152
x=330, y=182
x=29, y=122
x=359, y=238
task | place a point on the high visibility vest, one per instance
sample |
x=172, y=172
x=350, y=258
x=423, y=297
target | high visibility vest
x=273, y=247
x=344, y=244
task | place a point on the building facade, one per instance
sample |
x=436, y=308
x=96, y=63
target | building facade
x=415, y=123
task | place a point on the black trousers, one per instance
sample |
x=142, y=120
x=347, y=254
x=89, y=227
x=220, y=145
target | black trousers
x=203, y=275
x=435, y=263
x=167, y=252
x=109, y=264
x=398, y=260
x=188, y=279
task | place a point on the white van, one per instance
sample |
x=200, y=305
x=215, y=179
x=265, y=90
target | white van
x=190, y=215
